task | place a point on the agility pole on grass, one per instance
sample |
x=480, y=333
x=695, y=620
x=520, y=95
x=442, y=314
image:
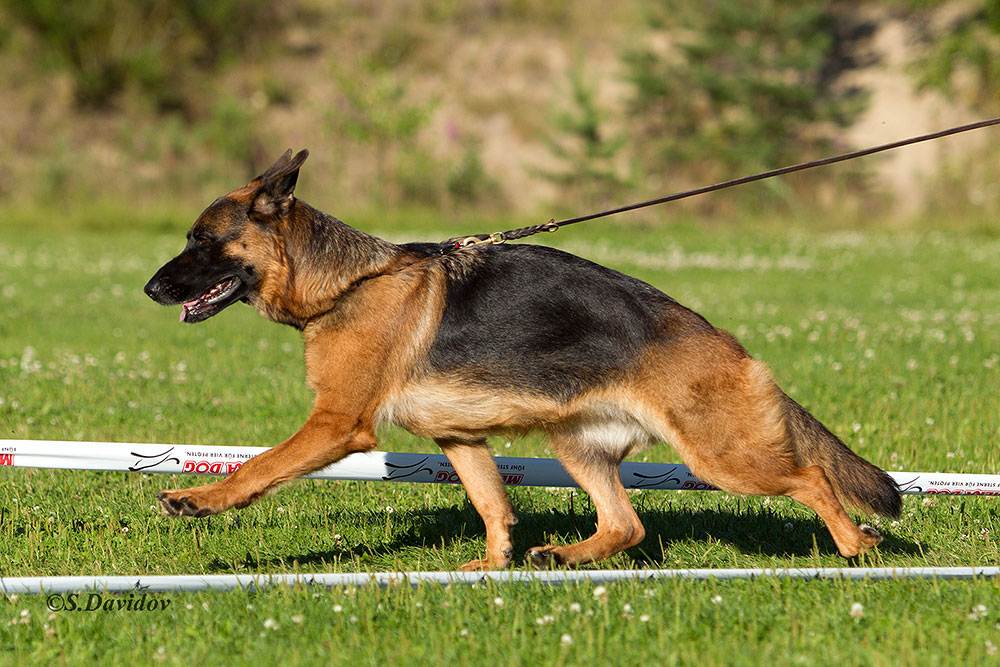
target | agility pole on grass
x=223, y=582
x=403, y=467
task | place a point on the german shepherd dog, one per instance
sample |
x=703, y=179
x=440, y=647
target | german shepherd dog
x=496, y=339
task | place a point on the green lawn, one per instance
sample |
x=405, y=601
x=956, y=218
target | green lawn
x=891, y=338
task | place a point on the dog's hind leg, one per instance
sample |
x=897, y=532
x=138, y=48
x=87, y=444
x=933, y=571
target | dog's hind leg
x=727, y=419
x=811, y=487
x=475, y=467
x=595, y=469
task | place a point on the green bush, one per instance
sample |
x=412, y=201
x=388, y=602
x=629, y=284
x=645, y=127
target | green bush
x=468, y=182
x=971, y=44
x=585, y=147
x=159, y=47
x=375, y=111
x=743, y=86
x=231, y=131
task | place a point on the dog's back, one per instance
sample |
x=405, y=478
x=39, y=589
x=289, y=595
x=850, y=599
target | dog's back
x=536, y=319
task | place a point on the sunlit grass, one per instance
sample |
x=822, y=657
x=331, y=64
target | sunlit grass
x=891, y=339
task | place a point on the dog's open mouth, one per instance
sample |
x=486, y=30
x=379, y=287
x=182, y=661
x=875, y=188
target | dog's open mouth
x=212, y=301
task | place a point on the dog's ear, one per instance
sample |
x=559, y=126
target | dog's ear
x=276, y=186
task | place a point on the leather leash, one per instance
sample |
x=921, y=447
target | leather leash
x=553, y=225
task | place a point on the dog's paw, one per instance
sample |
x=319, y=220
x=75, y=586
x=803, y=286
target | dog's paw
x=184, y=502
x=497, y=562
x=867, y=539
x=869, y=536
x=478, y=565
x=543, y=558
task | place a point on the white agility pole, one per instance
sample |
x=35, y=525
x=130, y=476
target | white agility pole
x=218, y=582
x=398, y=467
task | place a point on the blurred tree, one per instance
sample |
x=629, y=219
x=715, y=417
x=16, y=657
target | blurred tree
x=741, y=85
x=376, y=111
x=468, y=182
x=970, y=44
x=158, y=46
x=585, y=147
x=231, y=130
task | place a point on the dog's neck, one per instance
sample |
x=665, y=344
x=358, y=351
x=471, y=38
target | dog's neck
x=325, y=259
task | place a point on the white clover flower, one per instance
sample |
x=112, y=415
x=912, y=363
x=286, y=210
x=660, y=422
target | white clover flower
x=575, y=607
x=337, y=609
x=566, y=640
x=644, y=618
x=270, y=624
x=297, y=619
x=600, y=591
x=498, y=601
x=857, y=610
x=716, y=599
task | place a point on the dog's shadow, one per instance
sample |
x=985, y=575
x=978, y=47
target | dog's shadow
x=752, y=532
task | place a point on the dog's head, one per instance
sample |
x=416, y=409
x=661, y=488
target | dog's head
x=233, y=249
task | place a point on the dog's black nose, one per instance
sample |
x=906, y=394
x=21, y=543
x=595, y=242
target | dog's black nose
x=152, y=288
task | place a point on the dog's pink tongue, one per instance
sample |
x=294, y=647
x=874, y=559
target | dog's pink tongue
x=184, y=312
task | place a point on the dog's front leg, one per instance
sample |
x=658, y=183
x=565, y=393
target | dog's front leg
x=325, y=438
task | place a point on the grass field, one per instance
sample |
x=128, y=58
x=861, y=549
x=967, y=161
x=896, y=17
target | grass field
x=891, y=338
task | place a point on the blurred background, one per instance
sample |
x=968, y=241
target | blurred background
x=496, y=108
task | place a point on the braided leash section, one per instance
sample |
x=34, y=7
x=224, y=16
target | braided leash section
x=521, y=232
x=497, y=238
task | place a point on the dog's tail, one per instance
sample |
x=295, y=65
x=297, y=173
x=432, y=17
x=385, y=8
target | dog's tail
x=855, y=481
